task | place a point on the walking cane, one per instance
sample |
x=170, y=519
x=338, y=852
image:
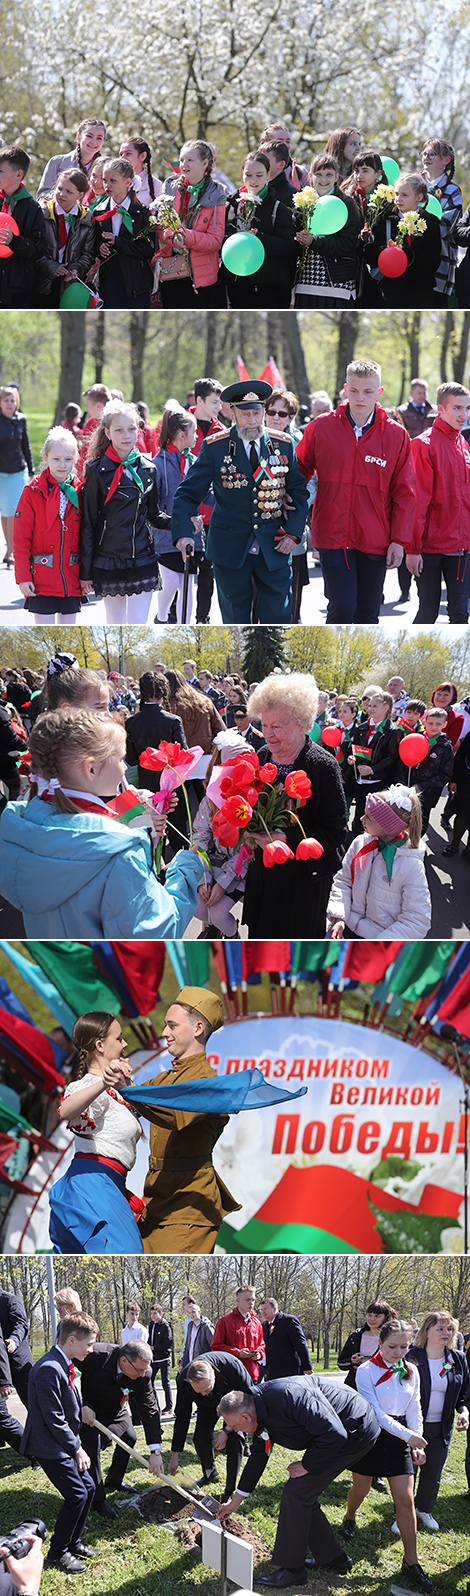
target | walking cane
x=160, y=1479
x=296, y=593
x=184, y=603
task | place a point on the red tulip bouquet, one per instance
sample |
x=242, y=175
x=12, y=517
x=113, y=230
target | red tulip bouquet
x=250, y=798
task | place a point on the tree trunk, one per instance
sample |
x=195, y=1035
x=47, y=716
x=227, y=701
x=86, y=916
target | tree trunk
x=295, y=371
x=414, y=333
x=99, y=344
x=138, y=329
x=211, y=343
x=460, y=358
x=447, y=339
x=72, y=355
x=348, y=332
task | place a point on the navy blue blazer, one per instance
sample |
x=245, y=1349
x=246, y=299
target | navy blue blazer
x=229, y=1376
x=312, y=1413
x=457, y=1387
x=54, y=1412
x=13, y=1322
x=286, y=1347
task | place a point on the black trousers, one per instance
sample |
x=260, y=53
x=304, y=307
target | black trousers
x=78, y=1491
x=10, y=1429
x=353, y=583
x=162, y=1366
x=20, y=1379
x=205, y=589
x=94, y=1444
x=204, y=1445
x=302, y=1523
x=429, y=798
x=454, y=571
x=429, y=1477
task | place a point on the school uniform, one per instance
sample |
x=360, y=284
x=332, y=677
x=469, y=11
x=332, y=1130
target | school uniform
x=52, y=1435
x=18, y=271
x=69, y=242
x=396, y=1404
x=124, y=277
x=377, y=763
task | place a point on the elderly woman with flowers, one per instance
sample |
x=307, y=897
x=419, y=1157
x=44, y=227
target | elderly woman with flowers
x=288, y=880
x=406, y=221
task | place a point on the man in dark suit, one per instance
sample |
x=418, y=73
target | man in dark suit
x=286, y=1347
x=52, y=1435
x=11, y=1430
x=335, y=1427
x=110, y=1376
x=160, y=1339
x=205, y=1381
x=15, y=1328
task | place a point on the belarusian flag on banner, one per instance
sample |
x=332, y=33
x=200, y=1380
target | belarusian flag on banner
x=271, y=373
x=456, y=1008
x=368, y=961
x=264, y=956
x=360, y=752
x=313, y=956
x=425, y=965
x=70, y=965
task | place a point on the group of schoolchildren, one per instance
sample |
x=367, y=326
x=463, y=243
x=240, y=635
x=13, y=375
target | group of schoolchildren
x=135, y=242
x=82, y=757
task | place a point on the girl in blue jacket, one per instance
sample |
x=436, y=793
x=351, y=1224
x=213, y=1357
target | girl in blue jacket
x=66, y=862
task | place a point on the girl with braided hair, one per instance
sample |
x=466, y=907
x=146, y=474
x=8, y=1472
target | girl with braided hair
x=91, y=1210
x=66, y=859
x=138, y=152
x=90, y=136
x=120, y=511
x=123, y=241
x=189, y=256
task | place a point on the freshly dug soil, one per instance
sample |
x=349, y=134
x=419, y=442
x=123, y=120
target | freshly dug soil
x=163, y=1503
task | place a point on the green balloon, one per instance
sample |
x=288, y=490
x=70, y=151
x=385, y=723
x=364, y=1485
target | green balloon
x=329, y=216
x=391, y=169
x=243, y=254
x=76, y=296
x=434, y=206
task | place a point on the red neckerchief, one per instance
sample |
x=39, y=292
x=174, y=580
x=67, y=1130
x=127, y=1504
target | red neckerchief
x=381, y=1364
x=371, y=847
x=112, y=454
x=172, y=449
x=62, y=230
x=82, y=803
x=186, y=199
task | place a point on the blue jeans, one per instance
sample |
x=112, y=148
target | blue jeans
x=353, y=584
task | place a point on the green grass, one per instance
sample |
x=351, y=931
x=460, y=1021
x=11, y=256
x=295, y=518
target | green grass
x=142, y=1560
x=39, y=424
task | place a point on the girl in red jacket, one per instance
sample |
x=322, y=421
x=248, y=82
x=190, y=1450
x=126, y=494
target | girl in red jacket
x=46, y=532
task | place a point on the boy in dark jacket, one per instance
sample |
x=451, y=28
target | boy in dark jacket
x=52, y=1435
x=436, y=769
x=255, y=208
x=18, y=270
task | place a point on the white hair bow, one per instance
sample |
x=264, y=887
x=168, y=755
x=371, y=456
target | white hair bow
x=401, y=795
x=43, y=785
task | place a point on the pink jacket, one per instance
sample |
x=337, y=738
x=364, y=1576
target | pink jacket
x=205, y=237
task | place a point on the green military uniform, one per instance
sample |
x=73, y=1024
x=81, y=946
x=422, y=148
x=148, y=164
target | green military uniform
x=247, y=517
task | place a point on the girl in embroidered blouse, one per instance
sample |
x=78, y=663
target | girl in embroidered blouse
x=90, y=1209
x=391, y=1385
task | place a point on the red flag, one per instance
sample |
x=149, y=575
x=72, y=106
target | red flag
x=242, y=371
x=142, y=966
x=257, y=956
x=368, y=961
x=271, y=373
x=456, y=1007
x=29, y=1051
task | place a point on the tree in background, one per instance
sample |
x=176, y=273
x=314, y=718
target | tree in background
x=264, y=651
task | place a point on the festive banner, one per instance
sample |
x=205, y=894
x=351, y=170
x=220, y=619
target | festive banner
x=370, y=1160
x=46, y=990
x=70, y=965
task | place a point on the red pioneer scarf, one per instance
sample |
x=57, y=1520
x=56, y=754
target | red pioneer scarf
x=129, y=464
x=390, y=1368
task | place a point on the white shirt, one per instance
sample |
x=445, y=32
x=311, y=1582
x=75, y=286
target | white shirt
x=136, y=1332
x=391, y=1398
x=438, y=1390
x=116, y=220
x=107, y=1126
x=66, y=214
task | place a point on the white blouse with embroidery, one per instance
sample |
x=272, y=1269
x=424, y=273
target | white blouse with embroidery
x=107, y=1126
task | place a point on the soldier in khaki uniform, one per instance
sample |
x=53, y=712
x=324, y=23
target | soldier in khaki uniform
x=186, y=1200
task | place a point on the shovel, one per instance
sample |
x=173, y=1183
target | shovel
x=160, y=1479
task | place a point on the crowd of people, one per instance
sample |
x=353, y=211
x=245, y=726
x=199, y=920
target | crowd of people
x=283, y=234
x=389, y=1421
x=123, y=511
x=82, y=754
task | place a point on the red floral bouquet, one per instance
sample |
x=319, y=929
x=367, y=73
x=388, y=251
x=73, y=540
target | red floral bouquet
x=250, y=799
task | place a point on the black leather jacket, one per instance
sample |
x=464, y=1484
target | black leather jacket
x=15, y=447
x=120, y=531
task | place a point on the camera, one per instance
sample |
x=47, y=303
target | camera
x=15, y=1544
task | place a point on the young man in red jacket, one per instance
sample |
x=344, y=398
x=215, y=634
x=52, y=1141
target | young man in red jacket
x=441, y=539
x=241, y=1332
x=365, y=503
x=206, y=410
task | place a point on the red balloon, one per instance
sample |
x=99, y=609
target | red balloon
x=413, y=749
x=331, y=735
x=392, y=261
x=8, y=221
